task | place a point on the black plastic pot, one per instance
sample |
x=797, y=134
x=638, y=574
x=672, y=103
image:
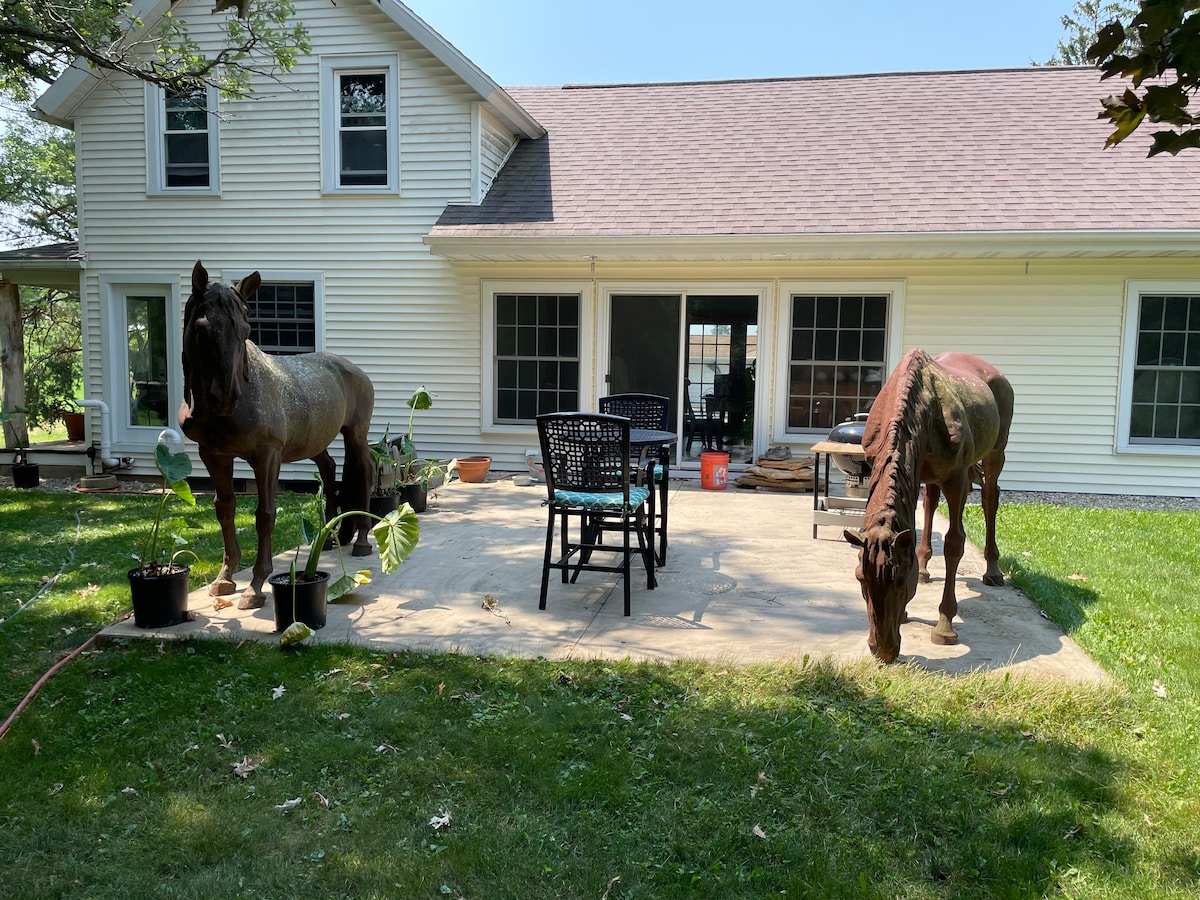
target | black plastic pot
x=304, y=601
x=159, y=601
x=27, y=475
x=382, y=504
x=416, y=496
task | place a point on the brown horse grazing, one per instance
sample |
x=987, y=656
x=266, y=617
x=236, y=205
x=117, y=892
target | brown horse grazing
x=935, y=422
x=239, y=401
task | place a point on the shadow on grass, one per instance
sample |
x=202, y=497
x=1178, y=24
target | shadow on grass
x=560, y=778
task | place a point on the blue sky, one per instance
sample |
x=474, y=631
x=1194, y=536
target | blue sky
x=550, y=42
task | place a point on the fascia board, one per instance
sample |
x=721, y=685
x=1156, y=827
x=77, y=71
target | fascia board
x=948, y=245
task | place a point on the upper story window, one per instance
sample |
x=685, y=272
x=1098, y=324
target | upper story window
x=182, y=148
x=359, y=112
x=1160, y=385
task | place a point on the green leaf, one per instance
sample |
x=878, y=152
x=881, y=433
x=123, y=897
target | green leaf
x=397, y=535
x=420, y=399
x=174, y=467
x=294, y=634
x=348, y=582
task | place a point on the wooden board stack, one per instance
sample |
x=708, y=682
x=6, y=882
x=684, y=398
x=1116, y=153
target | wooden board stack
x=778, y=470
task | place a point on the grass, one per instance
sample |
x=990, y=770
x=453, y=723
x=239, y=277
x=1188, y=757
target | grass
x=602, y=779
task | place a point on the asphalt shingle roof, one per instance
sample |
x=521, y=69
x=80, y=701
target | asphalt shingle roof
x=979, y=151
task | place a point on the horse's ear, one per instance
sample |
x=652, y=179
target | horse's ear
x=199, y=278
x=854, y=537
x=249, y=286
x=904, y=540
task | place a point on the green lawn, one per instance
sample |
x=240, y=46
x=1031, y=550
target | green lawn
x=158, y=768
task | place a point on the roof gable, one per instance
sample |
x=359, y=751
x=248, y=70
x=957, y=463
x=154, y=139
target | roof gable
x=59, y=102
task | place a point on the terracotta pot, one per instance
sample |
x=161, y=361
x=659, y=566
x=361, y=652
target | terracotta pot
x=304, y=601
x=159, y=601
x=74, y=422
x=473, y=469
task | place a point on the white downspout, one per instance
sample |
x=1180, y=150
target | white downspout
x=106, y=457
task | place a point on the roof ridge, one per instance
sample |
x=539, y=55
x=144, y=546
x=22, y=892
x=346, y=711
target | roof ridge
x=798, y=78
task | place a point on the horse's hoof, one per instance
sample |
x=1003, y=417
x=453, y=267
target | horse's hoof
x=361, y=550
x=944, y=640
x=994, y=580
x=250, y=600
x=221, y=588
x=923, y=578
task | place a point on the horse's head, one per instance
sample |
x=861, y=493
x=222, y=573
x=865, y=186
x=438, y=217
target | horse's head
x=887, y=574
x=216, y=325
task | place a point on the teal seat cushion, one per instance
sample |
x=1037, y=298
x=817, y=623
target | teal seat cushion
x=603, y=501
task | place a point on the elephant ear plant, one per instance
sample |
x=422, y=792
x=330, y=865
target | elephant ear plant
x=396, y=535
x=174, y=469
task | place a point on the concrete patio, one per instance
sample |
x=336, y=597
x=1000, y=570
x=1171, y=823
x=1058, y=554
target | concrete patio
x=744, y=582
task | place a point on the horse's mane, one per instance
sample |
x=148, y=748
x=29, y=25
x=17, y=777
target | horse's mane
x=894, y=490
x=217, y=299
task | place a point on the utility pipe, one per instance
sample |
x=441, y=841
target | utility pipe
x=106, y=456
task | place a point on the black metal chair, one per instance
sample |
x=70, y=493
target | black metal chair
x=591, y=477
x=705, y=424
x=651, y=411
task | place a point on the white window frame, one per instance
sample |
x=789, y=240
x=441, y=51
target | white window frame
x=332, y=67
x=487, y=375
x=114, y=292
x=156, y=157
x=296, y=276
x=1129, y=340
x=783, y=351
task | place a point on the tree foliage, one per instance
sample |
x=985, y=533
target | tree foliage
x=39, y=38
x=1163, y=69
x=1082, y=25
x=37, y=182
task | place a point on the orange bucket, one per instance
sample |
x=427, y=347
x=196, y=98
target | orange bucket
x=714, y=470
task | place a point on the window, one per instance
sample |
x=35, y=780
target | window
x=1162, y=383
x=183, y=151
x=360, y=144
x=837, y=357
x=146, y=357
x=536, y=355
x=283, y=318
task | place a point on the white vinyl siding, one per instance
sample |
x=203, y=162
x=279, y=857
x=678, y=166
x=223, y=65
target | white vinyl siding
x=494, y=146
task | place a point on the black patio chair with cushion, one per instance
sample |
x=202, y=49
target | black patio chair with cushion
x=650, y=411
x=591, y=478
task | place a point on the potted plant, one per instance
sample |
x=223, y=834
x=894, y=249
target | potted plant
x=301, y=595
x=418, y=474
x=426, y=475
x=385, y=495
x=24, y=473
x=158, y=586
x=73, y=420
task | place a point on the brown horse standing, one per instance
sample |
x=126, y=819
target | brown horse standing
x=937, y=422
x=239, y=401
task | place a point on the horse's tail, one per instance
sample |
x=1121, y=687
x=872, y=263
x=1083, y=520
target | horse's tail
x=355, y=492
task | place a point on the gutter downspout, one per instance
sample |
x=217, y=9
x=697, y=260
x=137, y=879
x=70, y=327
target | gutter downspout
x=106, y=458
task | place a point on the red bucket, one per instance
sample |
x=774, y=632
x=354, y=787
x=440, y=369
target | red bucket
x=714, y=470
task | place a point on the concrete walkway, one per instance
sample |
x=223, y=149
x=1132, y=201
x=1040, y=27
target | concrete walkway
x=744, y=582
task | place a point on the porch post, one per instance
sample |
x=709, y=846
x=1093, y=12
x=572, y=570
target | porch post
x=12, y=363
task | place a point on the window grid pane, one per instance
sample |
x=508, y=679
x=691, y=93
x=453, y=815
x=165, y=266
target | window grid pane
x=283, y=318
x=363, y=130
x=1166, y=374
x=186, y=139
x=837, y=363
x=537, y=357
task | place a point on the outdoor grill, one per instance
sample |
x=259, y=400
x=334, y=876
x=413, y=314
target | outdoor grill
x=856, y=470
